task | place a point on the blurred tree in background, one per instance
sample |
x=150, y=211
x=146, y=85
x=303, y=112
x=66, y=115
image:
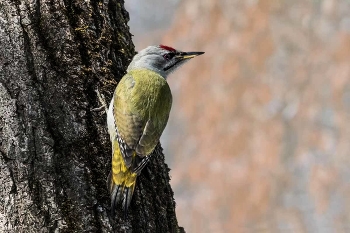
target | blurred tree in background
x=261, y=123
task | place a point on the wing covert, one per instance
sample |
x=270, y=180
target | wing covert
x=141, y=110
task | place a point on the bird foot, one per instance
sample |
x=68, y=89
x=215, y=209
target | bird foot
x=102, y=101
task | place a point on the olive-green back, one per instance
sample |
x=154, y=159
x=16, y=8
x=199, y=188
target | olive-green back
x=142, y=103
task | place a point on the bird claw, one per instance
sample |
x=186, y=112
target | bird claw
x=102, y=101
x=98, y=109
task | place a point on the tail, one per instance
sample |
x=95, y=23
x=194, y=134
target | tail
x=121, y=183
x=120, y=192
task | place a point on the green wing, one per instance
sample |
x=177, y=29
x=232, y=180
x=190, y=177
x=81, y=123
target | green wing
x=142, y=103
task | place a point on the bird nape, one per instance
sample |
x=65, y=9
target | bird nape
x=137, y=116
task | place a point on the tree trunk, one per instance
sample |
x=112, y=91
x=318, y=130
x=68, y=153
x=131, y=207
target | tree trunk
x=54, y=151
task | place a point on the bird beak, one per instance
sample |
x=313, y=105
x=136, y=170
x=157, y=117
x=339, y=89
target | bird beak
x=188, y=55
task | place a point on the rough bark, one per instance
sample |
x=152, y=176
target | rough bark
x=54, y=151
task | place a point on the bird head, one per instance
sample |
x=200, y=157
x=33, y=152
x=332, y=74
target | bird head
x=161, y=59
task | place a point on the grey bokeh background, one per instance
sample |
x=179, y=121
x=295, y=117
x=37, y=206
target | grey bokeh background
x=149, y=19
x=259, y=134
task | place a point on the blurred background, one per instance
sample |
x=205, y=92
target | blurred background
x=259, y=135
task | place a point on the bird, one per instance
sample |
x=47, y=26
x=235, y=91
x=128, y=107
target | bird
x=137, y=115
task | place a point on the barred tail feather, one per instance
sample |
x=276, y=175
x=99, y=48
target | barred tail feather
x=115, y=192
x=122, y=178
x=121, y=193
x=128, y=192
x=140, y=163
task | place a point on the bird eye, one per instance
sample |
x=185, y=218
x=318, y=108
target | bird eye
x=168, y=56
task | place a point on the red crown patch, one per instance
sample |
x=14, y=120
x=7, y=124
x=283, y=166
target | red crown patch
x=170, y=49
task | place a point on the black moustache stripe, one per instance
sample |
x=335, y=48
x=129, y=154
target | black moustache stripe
x=169, y=67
